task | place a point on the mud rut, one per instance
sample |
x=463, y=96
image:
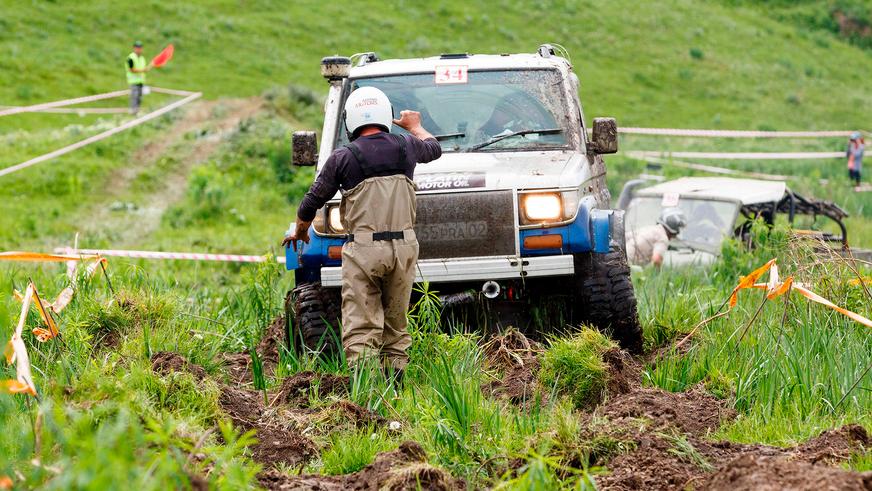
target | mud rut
x=649, y=420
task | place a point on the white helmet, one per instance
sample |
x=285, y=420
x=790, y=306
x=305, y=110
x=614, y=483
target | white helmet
x=368, y=106
x=673, y=220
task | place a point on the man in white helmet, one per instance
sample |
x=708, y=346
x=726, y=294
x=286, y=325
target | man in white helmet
x=374, y=173
x=648, y=245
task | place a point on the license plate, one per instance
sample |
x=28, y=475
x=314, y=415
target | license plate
x=444, y=232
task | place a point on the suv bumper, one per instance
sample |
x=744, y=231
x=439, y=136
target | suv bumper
x=476, y=269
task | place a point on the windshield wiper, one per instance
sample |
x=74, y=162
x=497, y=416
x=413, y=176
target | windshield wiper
x=449, y=136
x=547, y=131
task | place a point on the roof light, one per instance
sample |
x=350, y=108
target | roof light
x=335, y=68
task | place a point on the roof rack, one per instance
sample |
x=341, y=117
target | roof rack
x=453, y=56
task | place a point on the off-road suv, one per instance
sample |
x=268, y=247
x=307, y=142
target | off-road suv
x=514, y=215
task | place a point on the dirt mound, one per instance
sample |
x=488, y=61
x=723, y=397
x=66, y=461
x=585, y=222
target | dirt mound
x=694, y=412
x=273, y=339
x=166, y=362
x=238, y=365
x=772, y=473
x=516, y=357
x=275, y=443
x=651, y=466
x=297, y=388
x=400, y=469
x=833, y=446
x=623, y=372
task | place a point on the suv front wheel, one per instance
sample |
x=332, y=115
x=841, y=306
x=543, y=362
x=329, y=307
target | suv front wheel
x=606, y=296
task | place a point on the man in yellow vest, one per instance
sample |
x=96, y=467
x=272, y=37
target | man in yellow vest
x=136, y=68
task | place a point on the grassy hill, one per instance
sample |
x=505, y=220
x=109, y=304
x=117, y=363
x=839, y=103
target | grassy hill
x=694, y=63
x=115, y=410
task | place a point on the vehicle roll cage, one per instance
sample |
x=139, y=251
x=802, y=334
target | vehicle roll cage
x=793, y=204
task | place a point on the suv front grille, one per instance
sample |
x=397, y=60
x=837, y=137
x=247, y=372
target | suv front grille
x=466, y=224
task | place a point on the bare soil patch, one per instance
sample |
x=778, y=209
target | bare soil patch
x=401, y=469
x=296, y=389
x=517, y=358
x=755, y=473
x=277, y=443
x=238, y=365
x=166, y=362
x=694, y=412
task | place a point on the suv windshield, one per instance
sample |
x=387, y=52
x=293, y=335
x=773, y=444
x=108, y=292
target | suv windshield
x=708, y=221
x=481, y=114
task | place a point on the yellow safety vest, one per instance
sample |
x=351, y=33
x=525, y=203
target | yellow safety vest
x=139, y=64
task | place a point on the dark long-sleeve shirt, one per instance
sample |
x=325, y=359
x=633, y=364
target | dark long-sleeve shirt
x=342, y=171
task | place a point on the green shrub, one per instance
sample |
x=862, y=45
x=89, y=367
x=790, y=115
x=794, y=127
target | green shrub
x=351, y=452
x=574, y=366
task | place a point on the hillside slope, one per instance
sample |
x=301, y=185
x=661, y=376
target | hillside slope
x=665, y=63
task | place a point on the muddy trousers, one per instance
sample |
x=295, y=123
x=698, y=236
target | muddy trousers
x=377, y=280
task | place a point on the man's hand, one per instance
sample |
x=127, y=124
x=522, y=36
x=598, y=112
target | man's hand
x=411, y=122
x=301, y=232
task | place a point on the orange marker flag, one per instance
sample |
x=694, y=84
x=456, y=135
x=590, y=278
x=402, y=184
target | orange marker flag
x=16, y=352
x=40, y=257
x=814, y=297
x=163, y=57
x=41, y=334
x=748, y=281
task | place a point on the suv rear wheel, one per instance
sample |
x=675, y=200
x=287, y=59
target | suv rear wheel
x=312, y=316
x=606, y=296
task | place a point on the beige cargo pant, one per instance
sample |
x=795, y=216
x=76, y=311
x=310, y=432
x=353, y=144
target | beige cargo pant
x=377, y=276
x=377, y=280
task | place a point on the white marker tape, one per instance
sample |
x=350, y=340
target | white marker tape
x=185, y=256
x=732, y=133
x=65, y=102
x=101, y=136
x=643, y=154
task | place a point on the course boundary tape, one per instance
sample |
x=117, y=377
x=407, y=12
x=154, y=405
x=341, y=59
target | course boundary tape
x=732, y=133
x=643, y=154
x=185, y=256
x=66, y=102
x=87, y=141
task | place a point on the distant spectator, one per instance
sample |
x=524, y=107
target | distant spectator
x=855, y=157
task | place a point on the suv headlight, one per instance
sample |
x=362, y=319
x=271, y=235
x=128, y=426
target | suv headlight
x=548, y=207
x=542, y=207
x=334, y=219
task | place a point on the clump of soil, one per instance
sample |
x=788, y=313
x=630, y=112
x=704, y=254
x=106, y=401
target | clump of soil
x=238, y=365
x=516, y=357
x=297, y=388
x=694, y=412
x=166, y=362
x=833, y=446
x=400, y=469
x=273, y=339
x=754, y=473
x=275, y=443
x=623, y=372
x=649, y=466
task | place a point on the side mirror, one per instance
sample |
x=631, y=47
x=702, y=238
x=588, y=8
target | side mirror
x=605, y=135
x=304, y=149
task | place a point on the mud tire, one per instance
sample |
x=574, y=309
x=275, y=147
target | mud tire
x=312, y=317
x=606, y=297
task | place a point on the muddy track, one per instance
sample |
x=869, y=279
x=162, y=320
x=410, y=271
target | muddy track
x=191, y=140
x=667, y=435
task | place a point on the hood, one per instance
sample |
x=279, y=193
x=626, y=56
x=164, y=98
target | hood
x=501, y=170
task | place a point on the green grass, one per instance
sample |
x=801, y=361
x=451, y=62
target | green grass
x=573, y=366
x=109, y=421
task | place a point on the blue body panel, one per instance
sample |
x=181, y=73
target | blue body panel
x=590, y=231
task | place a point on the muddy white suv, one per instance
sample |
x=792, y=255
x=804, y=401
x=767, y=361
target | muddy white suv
x=513, y=220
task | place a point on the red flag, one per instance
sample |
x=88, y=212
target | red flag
x=163, y=57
